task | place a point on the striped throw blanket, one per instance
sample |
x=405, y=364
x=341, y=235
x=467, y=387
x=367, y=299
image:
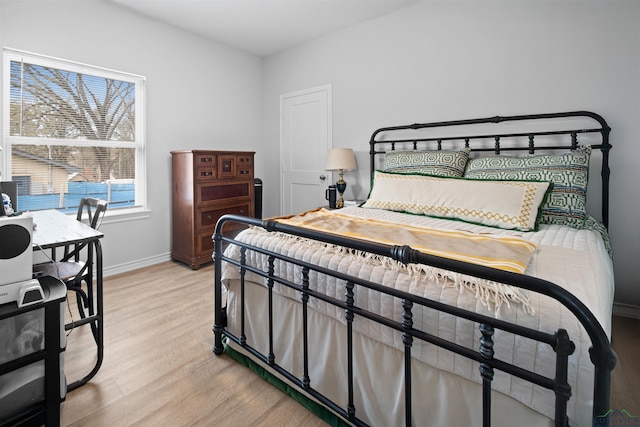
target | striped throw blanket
x=504, y=252
x=508, y=253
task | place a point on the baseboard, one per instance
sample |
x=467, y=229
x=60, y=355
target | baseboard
x=134, y=265
x=626, y=310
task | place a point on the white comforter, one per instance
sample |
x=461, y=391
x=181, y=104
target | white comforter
x=576, y=260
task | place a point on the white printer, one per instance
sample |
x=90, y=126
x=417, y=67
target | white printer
x=16, y=262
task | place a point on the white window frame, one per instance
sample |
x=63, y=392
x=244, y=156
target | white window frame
x=140, y=120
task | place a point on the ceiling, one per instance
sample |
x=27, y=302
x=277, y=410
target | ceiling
x=263, y=27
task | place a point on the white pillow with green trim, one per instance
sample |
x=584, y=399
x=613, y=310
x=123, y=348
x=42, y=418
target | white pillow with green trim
x=504, y=204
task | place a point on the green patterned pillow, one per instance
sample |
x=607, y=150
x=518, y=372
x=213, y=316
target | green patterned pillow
x=435, y=162
x=568, y=172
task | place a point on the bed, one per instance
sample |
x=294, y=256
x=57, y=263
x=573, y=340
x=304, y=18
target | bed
x=474, y=286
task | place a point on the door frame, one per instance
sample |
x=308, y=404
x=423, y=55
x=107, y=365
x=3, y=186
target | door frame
x=327, y=88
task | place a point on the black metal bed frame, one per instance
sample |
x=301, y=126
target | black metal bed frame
x=601, y=354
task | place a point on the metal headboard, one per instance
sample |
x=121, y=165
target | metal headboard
x=386, y=139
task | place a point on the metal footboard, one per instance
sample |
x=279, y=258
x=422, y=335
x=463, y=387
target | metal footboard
x=601, y=353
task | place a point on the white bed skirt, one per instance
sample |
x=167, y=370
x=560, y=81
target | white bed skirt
x=439, y=398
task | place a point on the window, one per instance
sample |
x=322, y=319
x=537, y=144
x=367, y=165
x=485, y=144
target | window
x=72, y=131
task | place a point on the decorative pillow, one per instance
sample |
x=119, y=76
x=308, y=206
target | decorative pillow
x=568, y=172
x=434, y=162
x=503, y=204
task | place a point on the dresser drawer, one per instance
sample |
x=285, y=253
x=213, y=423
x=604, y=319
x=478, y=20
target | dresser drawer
x=226, y=166
x=205, y=160
x=245, y=173
x=213, y=193
x=207, y=218
x=204, y=244
x=204, y=241
x=245, y=161
x=206, y=174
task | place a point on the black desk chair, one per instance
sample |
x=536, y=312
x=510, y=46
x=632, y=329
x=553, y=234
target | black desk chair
x=72, y=269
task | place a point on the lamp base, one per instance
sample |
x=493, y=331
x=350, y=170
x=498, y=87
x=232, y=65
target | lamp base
x=341, y=186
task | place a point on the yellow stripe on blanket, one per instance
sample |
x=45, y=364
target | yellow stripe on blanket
x=502, y=252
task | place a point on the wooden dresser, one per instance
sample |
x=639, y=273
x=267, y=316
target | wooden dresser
x=206, y=185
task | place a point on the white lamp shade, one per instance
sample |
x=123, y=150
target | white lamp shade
x=340, y=158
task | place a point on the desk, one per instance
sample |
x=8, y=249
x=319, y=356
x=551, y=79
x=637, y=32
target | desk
x=55, y=229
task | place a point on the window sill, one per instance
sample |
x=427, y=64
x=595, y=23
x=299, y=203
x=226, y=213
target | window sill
x=126, y=214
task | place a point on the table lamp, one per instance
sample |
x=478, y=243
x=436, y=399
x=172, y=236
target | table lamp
x=340, y=159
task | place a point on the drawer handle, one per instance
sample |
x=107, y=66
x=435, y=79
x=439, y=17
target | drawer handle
x=241, y=210
x=244, y=172
x=244, y=159
x=209, y=217
x=206, y=160
x=208, y=173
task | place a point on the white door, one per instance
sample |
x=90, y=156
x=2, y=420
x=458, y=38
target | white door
x=305, y=138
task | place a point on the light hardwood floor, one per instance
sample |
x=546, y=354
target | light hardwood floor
x=625, y=385
x=159, y=369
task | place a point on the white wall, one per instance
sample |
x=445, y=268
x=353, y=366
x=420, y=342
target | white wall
x=455, y=60
x=200, y=95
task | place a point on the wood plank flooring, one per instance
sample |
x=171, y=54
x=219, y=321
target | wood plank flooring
x=625, y=384
x=159, y=369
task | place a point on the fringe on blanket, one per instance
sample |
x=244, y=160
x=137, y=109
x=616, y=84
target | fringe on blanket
x=491, y=294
